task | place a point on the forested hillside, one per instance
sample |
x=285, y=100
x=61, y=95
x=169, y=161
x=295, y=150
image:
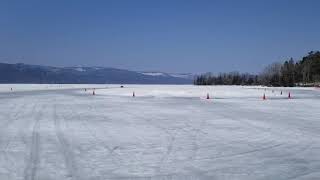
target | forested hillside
x=304, y=72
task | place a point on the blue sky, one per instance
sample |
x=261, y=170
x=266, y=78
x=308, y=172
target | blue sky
x=163, y=35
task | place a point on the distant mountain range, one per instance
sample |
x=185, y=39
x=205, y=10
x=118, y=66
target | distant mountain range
x=24, y=73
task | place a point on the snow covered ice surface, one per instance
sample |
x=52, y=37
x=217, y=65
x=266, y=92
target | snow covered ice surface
x=57, y=132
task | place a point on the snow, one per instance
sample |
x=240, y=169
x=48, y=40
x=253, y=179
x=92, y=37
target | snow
x=79, y=69
x=153, y=73
x=164, y=132
x=182, y=75
x=177, y=75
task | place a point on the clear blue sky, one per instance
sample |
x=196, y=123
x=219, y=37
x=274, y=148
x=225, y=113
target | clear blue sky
x=163, y=35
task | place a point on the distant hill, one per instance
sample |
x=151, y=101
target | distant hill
x=24, y=73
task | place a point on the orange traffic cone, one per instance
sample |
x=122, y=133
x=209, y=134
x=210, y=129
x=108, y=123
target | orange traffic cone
x=208, y=97
x=289, y=95
x=264, y=97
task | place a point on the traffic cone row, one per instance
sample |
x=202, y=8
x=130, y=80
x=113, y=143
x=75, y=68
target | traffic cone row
x=94, y=93
x=134, y=94
x=208, y=96
x=264, y=96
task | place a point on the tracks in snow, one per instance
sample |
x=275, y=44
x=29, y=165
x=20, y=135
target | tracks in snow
x=33, y=159
x=6, y=136
x=64, y=147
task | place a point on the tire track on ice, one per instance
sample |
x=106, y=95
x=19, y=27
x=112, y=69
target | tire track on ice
x=17, y=111
x=33, y=159
x=112, y=150
x=187, y=126
x=65, y=147
x=6, y=142
x=299, y=176
x=165, y=158
x=171, y=138
x=22, y=126
x=196, y=146
x=270, y=116
x=171, y=132
x=74, y=114
x=195, y=132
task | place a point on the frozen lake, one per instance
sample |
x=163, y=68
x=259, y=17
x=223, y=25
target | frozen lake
x=58, y=132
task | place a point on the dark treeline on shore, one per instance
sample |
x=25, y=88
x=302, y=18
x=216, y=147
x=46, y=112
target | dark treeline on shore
x=305, y=72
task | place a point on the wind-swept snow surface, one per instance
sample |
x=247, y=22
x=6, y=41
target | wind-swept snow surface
x=62, y=132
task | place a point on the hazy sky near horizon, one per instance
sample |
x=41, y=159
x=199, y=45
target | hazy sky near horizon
x=158, y=35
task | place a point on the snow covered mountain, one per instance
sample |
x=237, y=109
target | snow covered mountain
x=24, y=73
x=177, y=75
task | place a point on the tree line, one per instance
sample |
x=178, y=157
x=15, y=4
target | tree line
x=304, y=72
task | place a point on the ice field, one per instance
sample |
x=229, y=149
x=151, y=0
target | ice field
x=58, y=132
